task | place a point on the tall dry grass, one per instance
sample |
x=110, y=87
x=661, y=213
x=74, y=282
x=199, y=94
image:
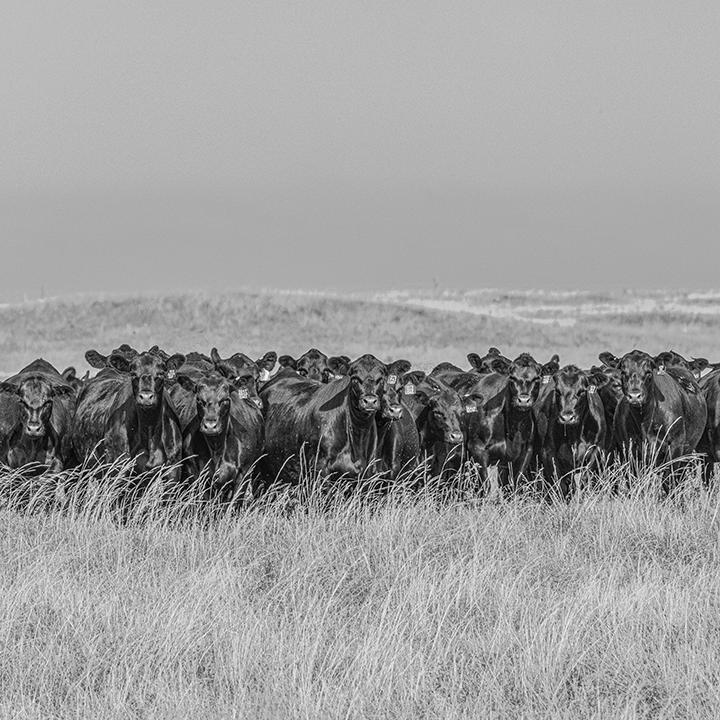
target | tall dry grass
x=403, y=606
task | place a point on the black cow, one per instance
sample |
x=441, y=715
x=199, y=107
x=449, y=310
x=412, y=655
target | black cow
x=398, y=444
x=662, y=410
x=70, y=376
x=314, y=365
x=100, y=362
x=266, y=364
x=224, y=437
x=36, y=414
x=494, y=361
x=329, y=429
x=572, y=433
x=504, y=431
x=440, y=415
x=125, y=408
x=709, y=443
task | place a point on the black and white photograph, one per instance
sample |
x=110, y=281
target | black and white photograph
x=359, y=360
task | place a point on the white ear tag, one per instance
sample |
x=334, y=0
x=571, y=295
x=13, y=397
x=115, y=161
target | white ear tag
x=171, y=374
x=546, y=379
x=661, y=370
x=592, y=389
x=392, y=379
x=409, y=389
x=471, y=408
x=242, y=393
x=338, y=377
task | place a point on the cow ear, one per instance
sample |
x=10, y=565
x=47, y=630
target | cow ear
x=500, y=365
x=174, y=362
x=69, y=373
x=664, y=358
x=494, y=351
x=158, y=352
x=598, y=378
x=59, y=390
x=327, y=375
x=398, y=367
x=607, y=358
x=95, y=359
x=119, y=362
x=475, y=360
x=267, y=361
x=552, y=366
x=186, y=382
x=287, y=361
x=339, y=364
x=215, y=356
x=9, y=388
x=415, y=377
x=698, y=364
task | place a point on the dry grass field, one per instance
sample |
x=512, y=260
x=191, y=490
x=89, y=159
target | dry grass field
x=410, y=607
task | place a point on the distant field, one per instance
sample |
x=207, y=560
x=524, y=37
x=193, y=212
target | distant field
x=607, y=607
x=425, y=327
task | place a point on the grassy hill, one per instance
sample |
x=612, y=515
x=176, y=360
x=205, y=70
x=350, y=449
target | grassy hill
x=426, y=328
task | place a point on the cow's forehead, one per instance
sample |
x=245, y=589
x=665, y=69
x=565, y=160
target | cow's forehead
x=35, y=391
x=525, y=372
x=367, y=365
x=147, y=362
x=636, y=361
x=569, y=376
x=313, y=355
x=242, y=365
x=213, y=385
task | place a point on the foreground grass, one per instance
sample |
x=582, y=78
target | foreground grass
x=606, y=607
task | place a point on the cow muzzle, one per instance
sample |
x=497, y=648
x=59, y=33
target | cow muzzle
x=635, y=397
x=568, y=418
x=455, y=438
x=523, y=401
x=211, y=427
x=34, y=430
x=393, y=412
x=369, y=403
x=147, y=399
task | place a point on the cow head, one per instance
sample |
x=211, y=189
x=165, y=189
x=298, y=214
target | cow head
x=368, y=380
x=524, y=377
x=243, y=373
x=96, y=360
x=446, y=409
x=636, y=374
x=313, y=365
x=212, y=398
x=35, y=395
x=266, y=364
x=147, y=373
x=494, y=361
x=571, y=388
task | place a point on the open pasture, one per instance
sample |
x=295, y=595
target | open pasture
x=410, y=607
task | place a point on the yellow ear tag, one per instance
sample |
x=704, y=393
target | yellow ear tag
x=546, y=379
x=392, y=379
x=264, y=375
x=661, y=370
x=409, y=389
x=471, y=408
x=592, y=389
x=242, y=393
x=171, y=374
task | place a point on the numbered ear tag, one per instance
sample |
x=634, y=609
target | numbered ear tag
x=471, y=408
x=546, y=379
x=243, y=393
x=409, y=389
x=171, y=374
x=661, y=370
x=392, y=379
x=338, y=377
x=592, y=389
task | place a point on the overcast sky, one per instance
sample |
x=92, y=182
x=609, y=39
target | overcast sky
x=179, y=144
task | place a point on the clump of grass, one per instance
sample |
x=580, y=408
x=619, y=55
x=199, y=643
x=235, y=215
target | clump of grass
x=409, y=604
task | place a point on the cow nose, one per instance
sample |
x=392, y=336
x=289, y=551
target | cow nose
x=370, y=403
x=146, y=399
x=455, y=438
x=524, y=400
x=34, y=429
x=394, y=411
x=634, y=397
x=567, y=418
x=211, y=427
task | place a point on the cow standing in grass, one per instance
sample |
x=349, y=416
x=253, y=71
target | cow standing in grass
x=329, y=430
x=36, y=413
x=572, y=433
x=663, y=412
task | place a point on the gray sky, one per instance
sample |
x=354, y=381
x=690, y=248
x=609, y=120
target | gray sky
x=183, y=144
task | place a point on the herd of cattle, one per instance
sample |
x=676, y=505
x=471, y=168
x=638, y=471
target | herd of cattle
x=235, y=424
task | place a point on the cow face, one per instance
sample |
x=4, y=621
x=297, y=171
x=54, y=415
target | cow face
x=571, y=388
x=446, y=410
x=524, y=377
x=391, y=408
x=242, y=372
x=494, y=361
x=96, y=360
x=147, y=372
x=636, y=370
x=312, y=365
x=368, y=379
x=212, y=398
x=36, y=402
